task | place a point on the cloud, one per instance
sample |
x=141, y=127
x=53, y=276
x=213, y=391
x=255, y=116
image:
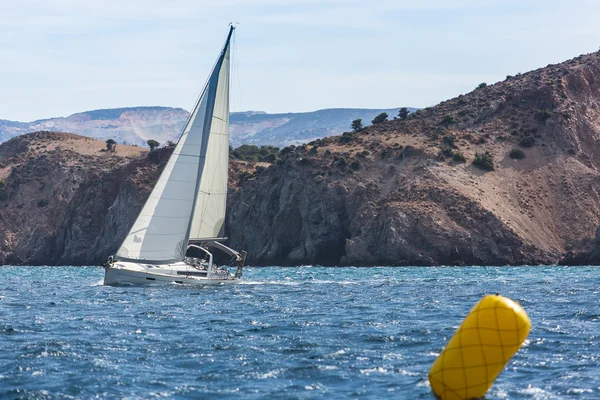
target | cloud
x=65, y=56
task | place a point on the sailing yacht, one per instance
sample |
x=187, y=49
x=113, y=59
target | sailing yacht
x=181, y=224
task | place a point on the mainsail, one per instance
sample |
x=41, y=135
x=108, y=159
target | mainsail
x=189, y=197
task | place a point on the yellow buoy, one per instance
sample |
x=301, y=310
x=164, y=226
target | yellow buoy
x=490, y=335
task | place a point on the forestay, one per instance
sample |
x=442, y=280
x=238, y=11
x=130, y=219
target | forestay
x=195, y=173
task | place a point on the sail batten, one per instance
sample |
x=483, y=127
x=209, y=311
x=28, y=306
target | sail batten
x=172, y=213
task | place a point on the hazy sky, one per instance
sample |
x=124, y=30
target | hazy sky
x=59, y=57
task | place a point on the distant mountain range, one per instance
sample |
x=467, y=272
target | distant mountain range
x=135, y=125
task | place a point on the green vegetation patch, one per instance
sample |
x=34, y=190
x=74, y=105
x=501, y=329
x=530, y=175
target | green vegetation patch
x=380, y=118
x=484, y=161
x=517, y=154
x=252, y=153
x=448, y=120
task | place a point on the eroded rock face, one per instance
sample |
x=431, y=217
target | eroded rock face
x=594, y=255
x=286, y=220
x=283, y=217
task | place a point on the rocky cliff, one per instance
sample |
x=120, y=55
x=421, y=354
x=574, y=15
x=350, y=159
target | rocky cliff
x=506, y=174
x=406, y=192
x=64, y=199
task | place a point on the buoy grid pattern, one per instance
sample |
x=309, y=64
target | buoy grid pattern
x=481, y=347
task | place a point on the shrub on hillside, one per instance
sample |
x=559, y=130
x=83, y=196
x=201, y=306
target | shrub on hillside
x=270, y=158
x=339, y=162
x=459, y=157
x=380, y=118
x=403, y=113
x=448, y=120
x=252, y=153
x=357, y=125
x=152, y=144
x=516, y=154
x=111, y=144
x=286, y=150
x=484, y=161
x=449, y=140
x=346, y=137
x=445, y=151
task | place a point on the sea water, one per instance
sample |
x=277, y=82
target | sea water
x=305, y=332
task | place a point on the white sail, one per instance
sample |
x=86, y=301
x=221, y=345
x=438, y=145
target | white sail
x=209, y=213
x=161, y=232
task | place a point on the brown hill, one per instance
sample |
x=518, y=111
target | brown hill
x=65, y=199
x=60, y=192
x=397, y=193
x=403, y=192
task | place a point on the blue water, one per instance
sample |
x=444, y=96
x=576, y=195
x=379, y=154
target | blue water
x=286, y=333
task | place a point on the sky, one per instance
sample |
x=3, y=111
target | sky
x=61, y=57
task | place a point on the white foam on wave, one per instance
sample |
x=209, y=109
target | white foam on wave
x=537, y=393
x=579, y=391
x=376, y=370
x=269, y=283
x=335, y=353
x=314, y=386
x=271, y=374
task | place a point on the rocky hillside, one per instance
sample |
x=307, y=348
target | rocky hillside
x=507, y=174
x=135, y=125
x=66, y=200
x=407, y=192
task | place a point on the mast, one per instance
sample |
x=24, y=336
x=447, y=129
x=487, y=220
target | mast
x=211, y=194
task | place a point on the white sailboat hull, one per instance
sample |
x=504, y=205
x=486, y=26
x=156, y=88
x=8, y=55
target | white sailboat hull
x=131, y=273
